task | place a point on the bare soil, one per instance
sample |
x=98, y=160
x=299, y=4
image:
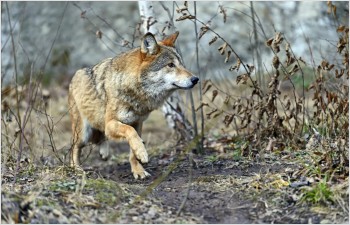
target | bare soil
x=222, y=190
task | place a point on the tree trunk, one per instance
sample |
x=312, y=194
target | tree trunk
x=173, y=107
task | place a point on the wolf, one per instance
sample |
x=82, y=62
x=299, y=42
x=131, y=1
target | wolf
x=114, y=97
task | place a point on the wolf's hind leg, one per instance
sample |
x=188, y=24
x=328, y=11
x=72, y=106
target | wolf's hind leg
x=77, y=133
x=75, y=156
x=105, y=150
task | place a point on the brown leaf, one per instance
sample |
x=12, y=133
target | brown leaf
x=227, y=99
x=337, y=74
x=341, y=28
x=324, y=64
x=207, y=89
x=205, y=82
x=334, y=10
x=222, y=48
x=288, y=104
x=217, y=114
x=311, y=87
x=278, y=38
x=243, y=77
x=250, y=68
x=228, y=120
x=276, y=47
x=99, y=34
x=318, y=153
x=223, y=11
x=82, y=14
x=287, y=47
x=228, y=56
x=269, y=42
x=275, y=62
x=214, y=94
x=125, y=43
x=236, y=66
x=185, y=17
x=329, y=4
x=330, y=67
x=213, y=40
x=203, y=31
x=294, y=70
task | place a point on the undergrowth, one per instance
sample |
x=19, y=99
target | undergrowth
x=311, y=115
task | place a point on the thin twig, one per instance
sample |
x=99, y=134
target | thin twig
x=190, y=158
x=200, y=146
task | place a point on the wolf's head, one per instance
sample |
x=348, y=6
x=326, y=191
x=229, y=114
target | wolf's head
x=162, y=66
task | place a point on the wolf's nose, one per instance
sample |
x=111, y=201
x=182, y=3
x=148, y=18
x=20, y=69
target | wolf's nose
x=194, y=80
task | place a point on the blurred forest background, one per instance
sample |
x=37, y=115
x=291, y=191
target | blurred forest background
x=35, y=27
x=266, y=134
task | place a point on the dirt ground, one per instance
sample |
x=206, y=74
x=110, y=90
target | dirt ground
x=221, y=187
x=222, y=191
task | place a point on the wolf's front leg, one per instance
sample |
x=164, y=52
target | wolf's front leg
x=116, y=130
x=136, y=167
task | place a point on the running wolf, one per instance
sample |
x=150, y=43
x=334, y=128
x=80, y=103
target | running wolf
x=114, y=97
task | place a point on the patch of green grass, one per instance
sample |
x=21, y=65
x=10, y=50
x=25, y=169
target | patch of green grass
x=211, y=158
x=237, y=155
x=319, y=194
x=45, y=202
x=63, y=186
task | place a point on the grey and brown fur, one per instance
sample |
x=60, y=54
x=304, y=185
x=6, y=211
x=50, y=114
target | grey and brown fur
x=114, y=97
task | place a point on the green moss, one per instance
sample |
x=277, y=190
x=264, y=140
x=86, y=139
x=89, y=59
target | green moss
x=106, y=191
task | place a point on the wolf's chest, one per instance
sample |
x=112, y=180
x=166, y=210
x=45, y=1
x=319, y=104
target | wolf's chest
x=130, y=116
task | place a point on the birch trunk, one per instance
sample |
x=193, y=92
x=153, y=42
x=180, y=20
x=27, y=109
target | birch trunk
x=173, y=107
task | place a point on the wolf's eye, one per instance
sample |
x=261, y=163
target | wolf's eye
x=171, y=65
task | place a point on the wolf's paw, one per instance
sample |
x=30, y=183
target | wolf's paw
x=104, y=151
x=139, y=150
x=142, y=155
x=142, y=174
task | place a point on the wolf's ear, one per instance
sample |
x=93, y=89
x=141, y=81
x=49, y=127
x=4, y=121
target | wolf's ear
x=170, y=40
x=149, y=44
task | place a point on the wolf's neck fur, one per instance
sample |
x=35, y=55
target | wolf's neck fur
x=127, y=85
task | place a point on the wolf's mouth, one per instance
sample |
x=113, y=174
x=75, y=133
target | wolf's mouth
x=188, y=87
